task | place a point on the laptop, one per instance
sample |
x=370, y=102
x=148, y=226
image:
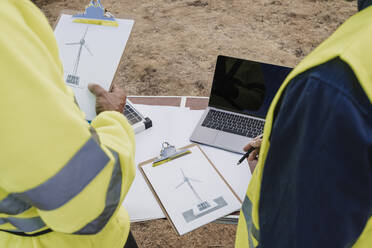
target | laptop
x=241, y=93
x=135, y=118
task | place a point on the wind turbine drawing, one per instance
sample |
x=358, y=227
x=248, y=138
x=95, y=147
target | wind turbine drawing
x=203, y=207
x=74, y=78
x=201, y=204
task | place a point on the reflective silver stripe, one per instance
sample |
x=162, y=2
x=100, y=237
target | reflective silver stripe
x=12, y=205
x=255, y=232
x=247, y=212
x=94, y=134
x=70, y=180
x=24, y=224
x=112, y=201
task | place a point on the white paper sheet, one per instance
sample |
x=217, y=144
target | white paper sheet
x=101, y=51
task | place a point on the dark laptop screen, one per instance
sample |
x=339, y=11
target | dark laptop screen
x=245, y=86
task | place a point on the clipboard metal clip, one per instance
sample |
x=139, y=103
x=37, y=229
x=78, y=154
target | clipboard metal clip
x=96, y=14
x=168, y=153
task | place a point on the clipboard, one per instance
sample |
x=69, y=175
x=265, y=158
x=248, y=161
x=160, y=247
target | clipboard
x=196, y=207
x=138, y=121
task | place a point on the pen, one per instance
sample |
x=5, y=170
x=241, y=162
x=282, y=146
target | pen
x=246, y=155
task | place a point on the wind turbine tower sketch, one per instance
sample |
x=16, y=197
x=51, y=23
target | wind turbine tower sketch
x=201, y=204
x=74, y=78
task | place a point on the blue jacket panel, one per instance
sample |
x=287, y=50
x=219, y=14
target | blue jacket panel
x=317, y=183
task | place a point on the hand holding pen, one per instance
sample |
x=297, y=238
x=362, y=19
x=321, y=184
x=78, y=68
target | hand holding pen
x=252, y=150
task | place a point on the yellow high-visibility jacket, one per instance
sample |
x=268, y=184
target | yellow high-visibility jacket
x=56, y=171
x=352, y=44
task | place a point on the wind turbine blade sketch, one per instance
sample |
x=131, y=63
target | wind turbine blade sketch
x=179, y=185
x=183, y=174
x=86, y=47
x=86, y=31
x=189, y=178
x=73, y=43
x=195, y=180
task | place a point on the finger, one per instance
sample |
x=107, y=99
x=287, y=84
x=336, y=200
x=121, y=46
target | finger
x=258, y=138
x=120, y=93
x=116, y=88
x=124, y=101
x=258, y=150
x=247, y=147
x=122, y=104
x=99, y=109
x=100, y=105
x=253, y=155
x=121, y=99
x=113, y=88
x=256, y=143
x=253, y=143
x=96, y=89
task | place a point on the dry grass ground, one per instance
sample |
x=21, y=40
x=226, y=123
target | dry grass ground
x=173, y=48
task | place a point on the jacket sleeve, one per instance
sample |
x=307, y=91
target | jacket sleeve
x=106, y=173
x=317, y=182
x=73, y=174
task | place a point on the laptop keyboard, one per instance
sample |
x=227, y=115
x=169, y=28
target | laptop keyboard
x=235, y=124
x=131, y=115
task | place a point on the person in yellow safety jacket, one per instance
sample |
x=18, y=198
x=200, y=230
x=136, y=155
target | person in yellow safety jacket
x=312, y=186
x=62, y=180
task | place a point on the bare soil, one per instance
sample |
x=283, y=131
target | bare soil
x=173, y=49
